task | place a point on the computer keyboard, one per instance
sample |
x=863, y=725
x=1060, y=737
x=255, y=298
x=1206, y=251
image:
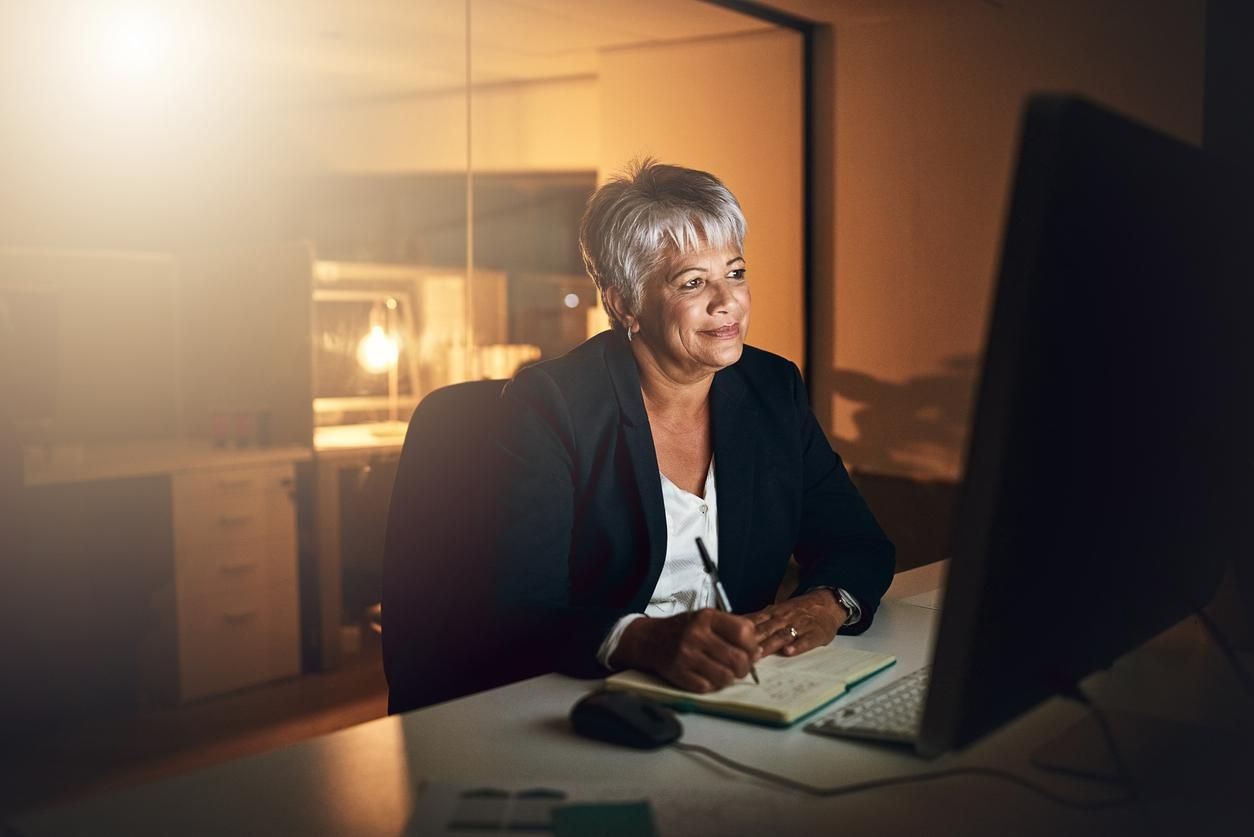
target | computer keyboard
x=891, y=713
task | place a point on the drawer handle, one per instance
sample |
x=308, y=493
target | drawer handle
x=242, y=566
x=238, y=616
x=234, y=520
x=232, y=484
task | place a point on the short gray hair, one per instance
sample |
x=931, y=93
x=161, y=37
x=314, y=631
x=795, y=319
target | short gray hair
x=652, y=211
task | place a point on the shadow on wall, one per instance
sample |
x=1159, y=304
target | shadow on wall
x=916, y=428
x=906, y=454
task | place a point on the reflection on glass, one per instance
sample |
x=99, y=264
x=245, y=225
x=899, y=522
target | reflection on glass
x=364, y=368
x=386, y=335
x=528, y=286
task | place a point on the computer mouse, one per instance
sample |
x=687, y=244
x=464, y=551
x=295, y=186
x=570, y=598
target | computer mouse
x=625, y=718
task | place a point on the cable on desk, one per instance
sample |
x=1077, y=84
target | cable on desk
x=1108, y=736
x=873, y=784
x=1217, y=636
x=1125, y=775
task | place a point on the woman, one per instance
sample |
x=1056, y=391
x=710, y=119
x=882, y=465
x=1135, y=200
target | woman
x=668, y=427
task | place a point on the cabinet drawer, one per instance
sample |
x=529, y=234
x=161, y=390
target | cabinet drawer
x=232, y=520
x=220, y=484
x=257, y=562
x=239, y=638
x=229, y=520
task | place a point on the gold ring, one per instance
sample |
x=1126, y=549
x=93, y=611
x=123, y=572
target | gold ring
x=792, y=632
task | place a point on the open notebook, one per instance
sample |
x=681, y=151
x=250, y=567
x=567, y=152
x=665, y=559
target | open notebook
x=792, y=687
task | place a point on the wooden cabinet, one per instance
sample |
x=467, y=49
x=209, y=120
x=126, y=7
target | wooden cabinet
x=152, y=570
x=235, y=584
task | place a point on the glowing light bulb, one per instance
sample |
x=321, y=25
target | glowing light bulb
x=378, y=352
x=571, y=300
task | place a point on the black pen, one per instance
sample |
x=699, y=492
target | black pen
x=720, y=594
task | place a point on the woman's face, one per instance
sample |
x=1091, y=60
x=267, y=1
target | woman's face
x=695, y=313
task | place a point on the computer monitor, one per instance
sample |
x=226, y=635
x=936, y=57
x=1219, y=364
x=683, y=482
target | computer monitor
x=1109, y=465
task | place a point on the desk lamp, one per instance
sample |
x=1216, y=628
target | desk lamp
x=380, y=350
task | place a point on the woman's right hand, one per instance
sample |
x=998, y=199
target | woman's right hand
x=701, y=651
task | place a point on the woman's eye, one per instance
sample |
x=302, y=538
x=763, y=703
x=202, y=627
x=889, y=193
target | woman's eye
x=694, y=283
x=739, y=273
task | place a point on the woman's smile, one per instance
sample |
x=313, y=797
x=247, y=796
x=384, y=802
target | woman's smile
x=728, y=332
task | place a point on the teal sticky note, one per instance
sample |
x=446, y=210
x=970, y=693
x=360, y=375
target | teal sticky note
x=604, y=819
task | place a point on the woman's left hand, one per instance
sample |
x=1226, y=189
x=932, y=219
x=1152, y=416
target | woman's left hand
x=816, y=617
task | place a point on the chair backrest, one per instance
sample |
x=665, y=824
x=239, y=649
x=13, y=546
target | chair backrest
x=442, y=635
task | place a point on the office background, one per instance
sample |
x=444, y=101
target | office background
x=189, y=177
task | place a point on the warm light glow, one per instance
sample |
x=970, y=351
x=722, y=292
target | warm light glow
x=134, y=43
x=131, y=52
x=571, y=300
x=378, y=351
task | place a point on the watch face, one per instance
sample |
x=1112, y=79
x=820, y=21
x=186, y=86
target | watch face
x=848, y=603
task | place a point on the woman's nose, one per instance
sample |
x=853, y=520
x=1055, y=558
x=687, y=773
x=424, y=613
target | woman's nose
x=722, y=299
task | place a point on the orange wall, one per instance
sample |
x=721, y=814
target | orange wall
x=926, y=110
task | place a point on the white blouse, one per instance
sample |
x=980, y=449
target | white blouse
x=683, y=584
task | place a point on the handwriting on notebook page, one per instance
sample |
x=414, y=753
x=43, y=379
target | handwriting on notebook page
x=779, y=686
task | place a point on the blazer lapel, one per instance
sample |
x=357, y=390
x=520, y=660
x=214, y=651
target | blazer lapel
x=642, y=453
x=733, y=422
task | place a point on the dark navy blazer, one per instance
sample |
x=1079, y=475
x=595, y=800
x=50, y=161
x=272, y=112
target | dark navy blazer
x=581, y=535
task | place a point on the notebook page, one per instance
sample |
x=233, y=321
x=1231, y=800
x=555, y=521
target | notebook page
x=829, y=662
x=790, y=685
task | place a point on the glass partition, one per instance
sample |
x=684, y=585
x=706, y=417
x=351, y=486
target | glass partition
x=437, y=153
x=281, y=224
x=465, y=184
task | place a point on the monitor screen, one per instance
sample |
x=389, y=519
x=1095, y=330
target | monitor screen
x=1104, y=488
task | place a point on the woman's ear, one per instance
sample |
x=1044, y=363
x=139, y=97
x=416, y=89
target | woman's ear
x=618, y=309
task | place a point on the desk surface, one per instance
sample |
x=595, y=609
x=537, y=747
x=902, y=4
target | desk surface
x=376, y=436
x=123, y=460
x=366, y=779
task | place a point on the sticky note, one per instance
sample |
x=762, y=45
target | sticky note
x=604, y=819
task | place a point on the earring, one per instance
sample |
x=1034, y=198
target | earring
x=628, y=334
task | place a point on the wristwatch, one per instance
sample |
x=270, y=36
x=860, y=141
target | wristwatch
x=847, y=601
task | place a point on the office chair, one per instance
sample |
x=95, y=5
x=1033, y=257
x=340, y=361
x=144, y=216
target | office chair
x=442, y=635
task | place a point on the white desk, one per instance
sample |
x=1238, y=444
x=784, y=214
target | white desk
x=125, y=460
x=363, y=780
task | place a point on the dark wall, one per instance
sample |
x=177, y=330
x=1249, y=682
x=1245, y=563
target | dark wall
x=78, y=617
x=917, y=515
x=1228, y=115
x=1228, y=132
